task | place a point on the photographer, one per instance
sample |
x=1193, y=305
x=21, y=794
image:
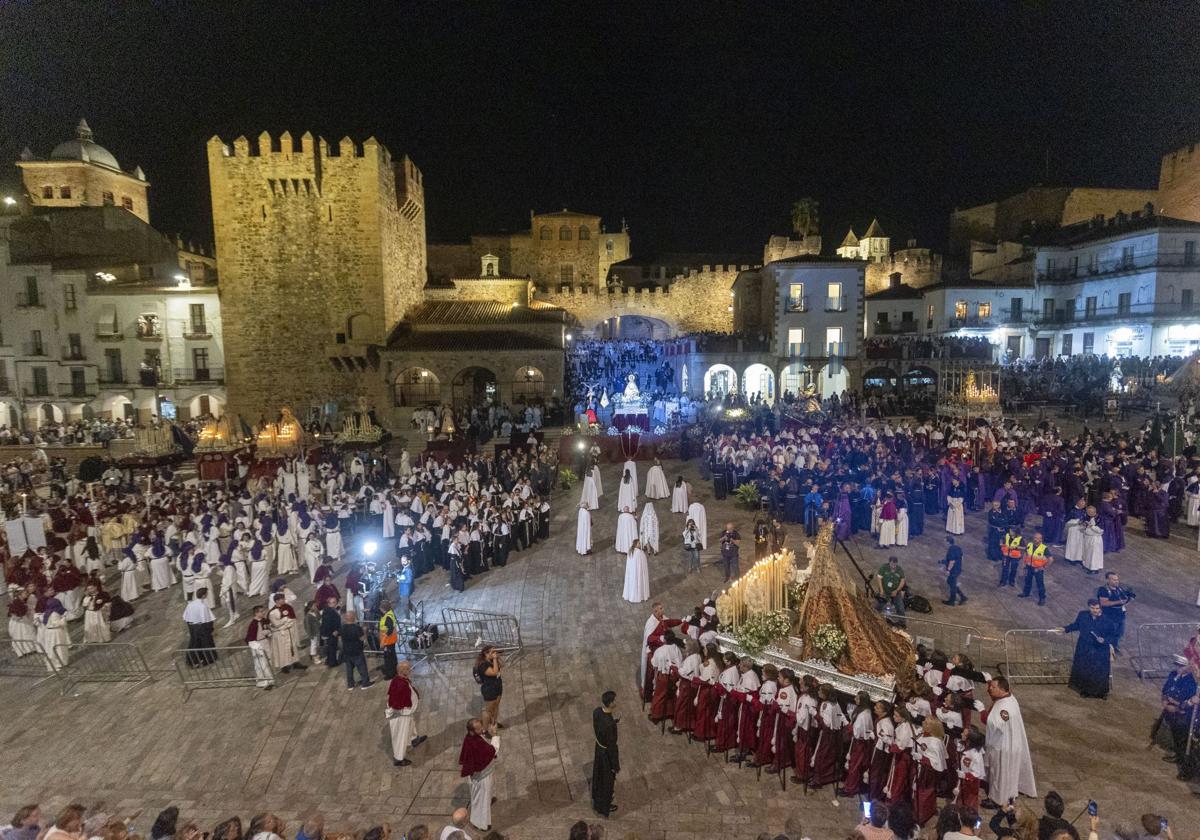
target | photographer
x=731, y=542
x=890, y=582
x=691, y=547
x=491, y=685
x=1114, y=598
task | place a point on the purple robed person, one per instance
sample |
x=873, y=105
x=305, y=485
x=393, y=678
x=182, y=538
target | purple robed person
x=1108, y=523
x=842, y=516
x=1054, y=518
x=1158, y=524
x=1119, y=520
x=944, y=476
x=1003, y=494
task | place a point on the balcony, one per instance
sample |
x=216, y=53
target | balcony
x=74, y=354
x=155, y=334
x=33, y=348
x=901, y=327
x=28, y=301
x=797, y=304
x=797, y=350
x=214, y=375
x=112, y=377
x=835, y=349
x=1121, y=265
x=107, y=334
x=79, y=390
x=1111, y=313
x=194, y=331
x=36, y=391
x=835, y=304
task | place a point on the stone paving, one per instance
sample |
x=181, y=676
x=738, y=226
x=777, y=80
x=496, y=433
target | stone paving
x=311, y=745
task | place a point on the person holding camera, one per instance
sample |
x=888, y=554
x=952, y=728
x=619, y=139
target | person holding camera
x=889, y=584
x=491, y=685
x=1114, y=599
x=691, y=547
x=731, y=542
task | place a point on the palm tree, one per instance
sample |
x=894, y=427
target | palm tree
x=806, y=217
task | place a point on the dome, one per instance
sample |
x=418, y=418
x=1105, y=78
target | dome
x=85, y=149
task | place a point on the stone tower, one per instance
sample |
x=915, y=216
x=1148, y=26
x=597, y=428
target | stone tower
x=320, y=250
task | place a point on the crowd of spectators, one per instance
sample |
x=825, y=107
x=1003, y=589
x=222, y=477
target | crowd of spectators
x=604, y=365
x=945, y=347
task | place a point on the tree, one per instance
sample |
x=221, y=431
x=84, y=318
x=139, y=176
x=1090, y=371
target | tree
x=806, y=219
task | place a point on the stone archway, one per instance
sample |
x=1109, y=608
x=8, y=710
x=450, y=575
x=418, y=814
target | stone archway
x=529, y=385
x=634, y=328
x=758, y=380
x=474, y=386
x=795, y=378
x=416, y=386
x=880, y=377
x=833, y=380
x=719, y=380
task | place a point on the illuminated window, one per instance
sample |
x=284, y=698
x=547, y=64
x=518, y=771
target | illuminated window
x=127, y=203
x=960, y=309
x=64, y=192
x=929, y=312
x=796, y=336
x=985, y=310
x=107, y=198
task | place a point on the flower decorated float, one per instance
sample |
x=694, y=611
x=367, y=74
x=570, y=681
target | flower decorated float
x=814, y=621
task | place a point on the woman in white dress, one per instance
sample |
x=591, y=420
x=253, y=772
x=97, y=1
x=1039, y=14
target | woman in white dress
x=627, y=530
x=161, y=576
x=589, y=498
x=696, y=513
x=679, y=496
x=627, y=495
x=129, y=582
x=648, y=533
x=583, y=531
x=637, y=575
x=656, y=482
x=1092, y=554
x=901, y=523
x=95, y=616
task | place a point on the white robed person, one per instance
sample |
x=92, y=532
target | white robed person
x=1091, y=542
x=596, y=479
x=1006, y=747
x=955, y=524
x=627, y=530
x=696, y=513
x=656, y=482
x=477, y=760
x=583, y=531
x=648, y=532
x=258, y=636
x=1073, y=547
x=589, y=496
x=679, y=496
x=403, y=701
x=637, y=575
x=21, y=628
x=627, y=491
x=285, y=636
x=631, y=468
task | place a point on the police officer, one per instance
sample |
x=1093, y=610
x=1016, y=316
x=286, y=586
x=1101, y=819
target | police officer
x=1036, y=561
x=389, y=635
x=1114, y=598
x=1179, y=700
x=1010, y=557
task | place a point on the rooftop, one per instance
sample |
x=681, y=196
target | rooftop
x=902, y=291
x=488, y=340
x=482, y=312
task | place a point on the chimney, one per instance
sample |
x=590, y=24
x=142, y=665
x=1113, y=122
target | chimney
x=894, y=280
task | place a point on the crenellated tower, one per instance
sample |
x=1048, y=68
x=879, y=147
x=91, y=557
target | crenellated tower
x=320, y=250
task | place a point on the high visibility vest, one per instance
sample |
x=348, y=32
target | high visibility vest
x=1012, y=546
x=386, y=638
x=1036, y=555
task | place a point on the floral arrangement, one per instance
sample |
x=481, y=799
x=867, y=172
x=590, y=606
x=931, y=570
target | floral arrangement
x=567, y=478
x=795, y=593
x=613, y=431
x=828, y=640
x=660, y=429
x=747, y=494
x=758, y=631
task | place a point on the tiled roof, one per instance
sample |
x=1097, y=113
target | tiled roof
x=901, y=292
x=850, y=241
x=874, y=230
x=454, y=340
x=484, y=312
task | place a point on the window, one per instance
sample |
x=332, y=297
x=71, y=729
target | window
x=1089, y=308
x=41, y=382
x=1185, y=300
x=546, y=232
x=1016, y=311
x=1124, y=303
x=199, y=327
x=112, y=365
x=200, y=363
x=1074, y=267
x=795, y=341
x=566, y=273
x=78, y=382
x=31, y=291
x=584, y=233
x=985, y=309
x=608, y=246
x=64, y=192
x=147, y=325
x=1127, y=256
x=882, y=317
x=795, y=302
x=960, y=309
x=1051, y=266
x=106, y=198
x=835, y=302
x=929, y=312
x=1089, y=342
x=47, y=191
x=907, y=315
x=127, y=203
x=1069, y=307
x=1189, y=252
x=1048, y=309
x=1066, y=344
x=564, y=233
x=74, y=346
x=36, y=348
x=1094, y=262
x=833, y=340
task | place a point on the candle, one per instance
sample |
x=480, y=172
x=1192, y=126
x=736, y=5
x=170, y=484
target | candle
x=22, y=504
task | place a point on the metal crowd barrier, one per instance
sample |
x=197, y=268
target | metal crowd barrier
x=948, y=638
x=1158, y=644
x=221, y=667
x=27, y=660
x=500, y=630
x=1037, y=656
x=103, y=663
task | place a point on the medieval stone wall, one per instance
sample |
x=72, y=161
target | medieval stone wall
x=917, y=267
x=1179, y=184
x=88, y=184
x=315, y=247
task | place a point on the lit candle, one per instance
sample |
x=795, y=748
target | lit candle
x=22, y=504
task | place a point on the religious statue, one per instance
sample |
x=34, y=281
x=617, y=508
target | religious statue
x=631, y=394
x=1115, y=379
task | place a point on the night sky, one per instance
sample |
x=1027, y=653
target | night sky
x=699, y=123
